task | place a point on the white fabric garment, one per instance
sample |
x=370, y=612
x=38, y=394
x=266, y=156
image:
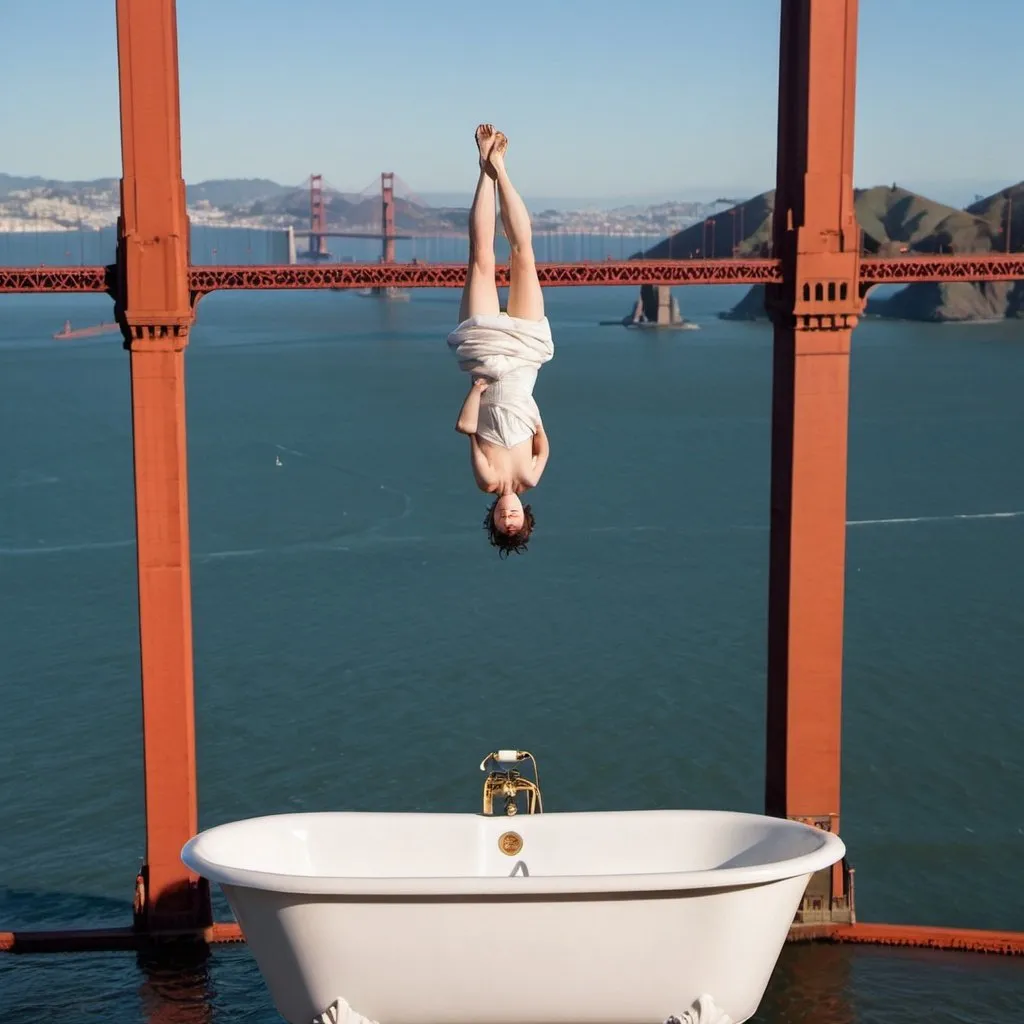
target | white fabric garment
x=508, y=351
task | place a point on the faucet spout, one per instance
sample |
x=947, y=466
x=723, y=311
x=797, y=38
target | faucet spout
x=507, y=783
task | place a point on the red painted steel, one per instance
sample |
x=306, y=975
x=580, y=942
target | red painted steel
x=453, y=275
x=15, y=280
x=967, y=940
x=155, y=310
x=814, y=311
x=873, y=270
x=387, y=214
x=964, y=267
x=106, y=940
x=317, y=217
x=814, y=296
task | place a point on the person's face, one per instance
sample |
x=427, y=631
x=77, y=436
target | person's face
x=508, y=514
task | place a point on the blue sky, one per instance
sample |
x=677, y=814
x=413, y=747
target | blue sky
x=599, y=97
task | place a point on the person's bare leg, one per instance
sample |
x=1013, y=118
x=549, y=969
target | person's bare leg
x=480, y=294
x=525, y=298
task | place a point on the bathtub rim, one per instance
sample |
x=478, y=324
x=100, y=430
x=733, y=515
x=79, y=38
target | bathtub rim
x=829, y=851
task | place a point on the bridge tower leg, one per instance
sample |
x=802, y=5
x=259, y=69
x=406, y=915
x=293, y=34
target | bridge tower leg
x=317, y=218
x=154, y=308
x=816, y=237
x=387, y=223
x=387, y=214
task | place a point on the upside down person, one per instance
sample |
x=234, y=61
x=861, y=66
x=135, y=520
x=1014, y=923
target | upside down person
x=502, y=352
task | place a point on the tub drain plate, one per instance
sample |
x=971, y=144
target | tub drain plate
x=510, y=843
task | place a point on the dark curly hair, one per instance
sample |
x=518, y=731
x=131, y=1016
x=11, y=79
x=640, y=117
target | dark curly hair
x=509, y=543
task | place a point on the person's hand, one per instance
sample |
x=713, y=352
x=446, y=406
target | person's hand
x=481, y=383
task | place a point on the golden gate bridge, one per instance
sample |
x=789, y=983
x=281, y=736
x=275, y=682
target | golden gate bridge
x=390, y=211
x=379, y=217
x=819, y=276
x=873, y=270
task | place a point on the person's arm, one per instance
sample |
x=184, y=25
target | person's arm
x=485, y=477
x=470, y=411
x=541, y=451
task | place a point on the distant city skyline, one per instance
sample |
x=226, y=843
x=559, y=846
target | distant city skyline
x=951, y=193
x=602, y=103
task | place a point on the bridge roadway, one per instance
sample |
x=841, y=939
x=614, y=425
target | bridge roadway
x=873, y=270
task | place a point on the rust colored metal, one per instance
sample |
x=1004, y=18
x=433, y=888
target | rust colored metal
x=154, y=307
x=815, y=293
x=427, y=275
x=85, y=940
x=317, y=218
x=108, y=940
x=967, y=940
x=15, y=280
x=226, y=931
x=453, y=275
x=814, y=311
x=969, y=267
x=387, y=214
x=873, y=270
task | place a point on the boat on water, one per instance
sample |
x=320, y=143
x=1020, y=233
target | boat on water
x=68, y=332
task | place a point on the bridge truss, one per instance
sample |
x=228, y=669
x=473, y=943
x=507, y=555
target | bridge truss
x=874, y=270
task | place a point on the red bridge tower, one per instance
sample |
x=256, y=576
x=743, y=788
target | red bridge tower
x=387, y=214
x=388, y=236
x=317, y=219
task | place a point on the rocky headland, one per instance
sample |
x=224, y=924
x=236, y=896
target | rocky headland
x=894, y=221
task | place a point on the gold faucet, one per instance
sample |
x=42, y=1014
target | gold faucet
x=508, y=783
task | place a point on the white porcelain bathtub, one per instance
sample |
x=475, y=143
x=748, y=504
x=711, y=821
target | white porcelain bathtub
x=622, y=917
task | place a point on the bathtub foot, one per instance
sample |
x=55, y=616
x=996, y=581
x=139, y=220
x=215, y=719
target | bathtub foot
x=703, y=1011
x=339, y=1012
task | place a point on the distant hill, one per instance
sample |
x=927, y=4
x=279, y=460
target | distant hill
x=234, y=191
x=958, y=300
x=215, y=192
x=14, y=183
x=753, y=227
x=228, y=192
x=235, y=200
x=345, y=210
x=893, y=220
x=993, y=210
x=41, y=204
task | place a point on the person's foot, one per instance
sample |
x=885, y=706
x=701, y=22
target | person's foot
x=497, y=152
x=485, y=136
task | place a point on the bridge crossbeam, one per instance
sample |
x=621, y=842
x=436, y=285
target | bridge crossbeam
x=968, y=267
x=873, y=270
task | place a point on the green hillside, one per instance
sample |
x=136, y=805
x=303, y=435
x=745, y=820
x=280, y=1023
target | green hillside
x=893, y=220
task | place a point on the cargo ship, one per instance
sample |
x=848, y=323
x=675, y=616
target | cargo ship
x=67, y=331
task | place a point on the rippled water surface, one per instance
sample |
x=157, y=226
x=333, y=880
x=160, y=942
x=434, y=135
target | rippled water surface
x=358, y=646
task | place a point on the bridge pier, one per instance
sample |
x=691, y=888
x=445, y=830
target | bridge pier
x=814, y=311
